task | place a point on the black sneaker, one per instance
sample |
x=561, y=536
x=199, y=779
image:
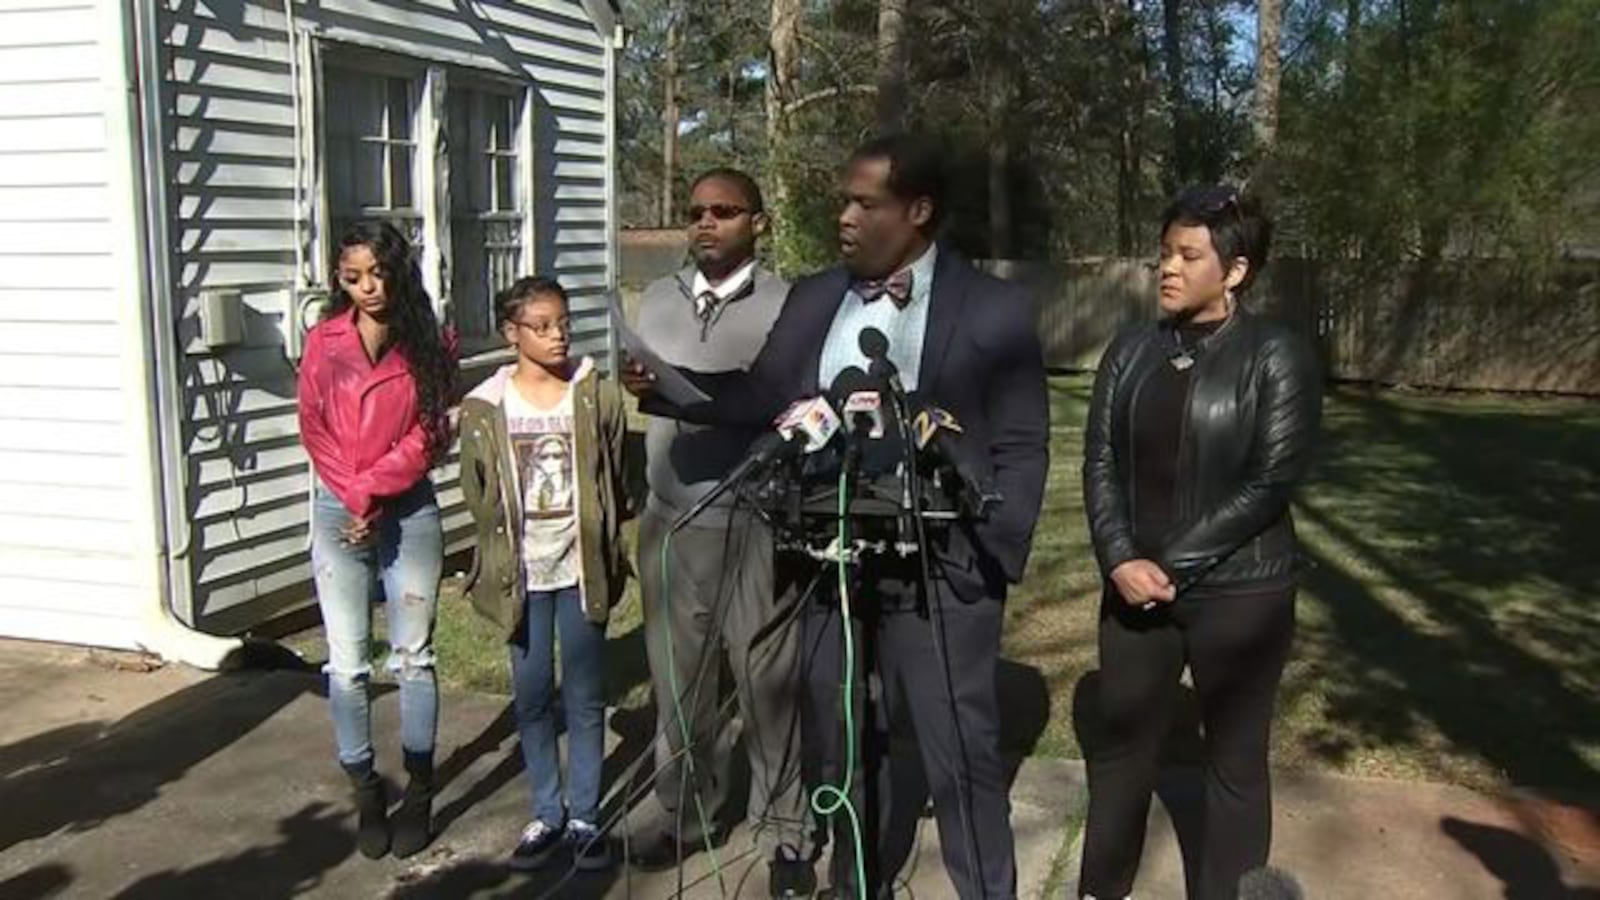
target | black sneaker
x=534, y=847
x=591, y=849
x=790, y=878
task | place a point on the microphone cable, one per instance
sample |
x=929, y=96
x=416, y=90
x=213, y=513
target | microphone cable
x=683, y=723
x=936, y=627
x=828, y=799
x=691, y=776
x=638, y=792
x=630, y=797
x=941, y=648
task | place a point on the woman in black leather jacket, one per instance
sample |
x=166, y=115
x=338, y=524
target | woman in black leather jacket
x=1201, y=427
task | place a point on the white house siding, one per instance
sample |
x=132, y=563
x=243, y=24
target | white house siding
x=230, y=154
x=77, y=528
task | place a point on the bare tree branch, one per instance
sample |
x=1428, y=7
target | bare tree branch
x=799, y=103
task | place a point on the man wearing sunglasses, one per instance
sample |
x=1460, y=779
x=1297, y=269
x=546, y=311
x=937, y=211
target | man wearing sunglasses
x=716, y=584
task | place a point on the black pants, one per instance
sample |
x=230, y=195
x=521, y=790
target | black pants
x=1235, y=641
x=914, y=746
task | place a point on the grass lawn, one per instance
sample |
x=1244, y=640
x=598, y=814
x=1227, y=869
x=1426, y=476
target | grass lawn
x=1448, y=630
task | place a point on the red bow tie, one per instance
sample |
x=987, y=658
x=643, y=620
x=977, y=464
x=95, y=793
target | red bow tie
x=896, y=287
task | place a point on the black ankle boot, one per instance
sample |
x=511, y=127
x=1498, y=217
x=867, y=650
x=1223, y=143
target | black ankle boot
x=413, y=821
x=372, y=810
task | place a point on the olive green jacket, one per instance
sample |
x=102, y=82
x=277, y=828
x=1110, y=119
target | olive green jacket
x=599, y=434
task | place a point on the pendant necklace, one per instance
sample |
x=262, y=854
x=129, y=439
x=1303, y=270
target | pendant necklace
x=1183, y=359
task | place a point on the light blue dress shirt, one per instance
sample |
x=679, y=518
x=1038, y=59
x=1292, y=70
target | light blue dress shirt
x=905, y=328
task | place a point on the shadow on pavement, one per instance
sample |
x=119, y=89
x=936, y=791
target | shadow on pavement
x=311, y=841
x=38, y=883
x=1525, y=868
x=78, y=776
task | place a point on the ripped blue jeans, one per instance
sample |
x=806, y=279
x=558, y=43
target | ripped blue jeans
x=405, y=555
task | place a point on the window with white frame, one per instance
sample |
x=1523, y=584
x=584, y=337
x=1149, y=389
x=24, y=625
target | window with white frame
x=385, y=120
x=372, y=149
x=487, y=206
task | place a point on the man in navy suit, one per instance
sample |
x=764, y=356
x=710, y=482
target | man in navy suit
x=965, y=342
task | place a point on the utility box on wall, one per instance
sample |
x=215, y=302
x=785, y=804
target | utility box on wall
x=306, y=309
x=221, y=319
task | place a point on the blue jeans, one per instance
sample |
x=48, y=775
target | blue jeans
x=583, y=701
x=405, y=554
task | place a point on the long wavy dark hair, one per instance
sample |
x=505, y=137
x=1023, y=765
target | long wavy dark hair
x=413, y=328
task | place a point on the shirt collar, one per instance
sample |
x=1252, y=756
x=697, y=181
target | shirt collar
x=729, y=286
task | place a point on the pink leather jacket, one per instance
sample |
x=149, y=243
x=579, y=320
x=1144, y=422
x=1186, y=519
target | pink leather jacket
x=360, y=422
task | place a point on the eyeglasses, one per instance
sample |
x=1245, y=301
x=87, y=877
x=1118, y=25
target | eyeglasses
x=546, y=328
x=722, y=212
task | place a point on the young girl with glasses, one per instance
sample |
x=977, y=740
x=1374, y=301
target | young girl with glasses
x=544, y=473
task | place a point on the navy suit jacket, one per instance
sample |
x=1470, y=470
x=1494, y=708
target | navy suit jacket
x=981, y=361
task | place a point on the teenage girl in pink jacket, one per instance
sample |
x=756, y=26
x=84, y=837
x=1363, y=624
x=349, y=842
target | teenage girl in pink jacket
x=374, y=385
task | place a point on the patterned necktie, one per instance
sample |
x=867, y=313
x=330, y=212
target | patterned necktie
x=896, y=287
x=705, y=305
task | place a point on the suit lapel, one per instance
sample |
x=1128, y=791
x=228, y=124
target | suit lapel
x=945, y=310
x=825, y=303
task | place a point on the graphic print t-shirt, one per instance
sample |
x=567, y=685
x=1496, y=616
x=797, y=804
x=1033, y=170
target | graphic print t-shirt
x=541, y=444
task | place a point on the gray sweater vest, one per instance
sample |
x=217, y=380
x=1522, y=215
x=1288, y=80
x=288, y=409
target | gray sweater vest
x=685, y=461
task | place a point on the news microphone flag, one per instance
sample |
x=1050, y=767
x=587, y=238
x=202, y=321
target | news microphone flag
x=813, y=417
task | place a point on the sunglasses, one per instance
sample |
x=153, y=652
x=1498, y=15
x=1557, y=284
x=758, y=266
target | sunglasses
x=1220, y=199
x=722, y=212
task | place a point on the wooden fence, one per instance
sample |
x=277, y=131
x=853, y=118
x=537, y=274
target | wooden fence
x=1457, y=324
x=1454, y=324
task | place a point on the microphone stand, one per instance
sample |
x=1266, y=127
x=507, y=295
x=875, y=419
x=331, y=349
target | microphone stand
x=930, y=609
x=910, y=494
x=734, y=478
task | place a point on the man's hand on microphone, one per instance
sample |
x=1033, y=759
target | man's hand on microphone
x=1142, y=583
x=635, y=380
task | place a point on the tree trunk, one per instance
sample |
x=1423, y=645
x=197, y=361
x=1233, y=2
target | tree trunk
x=1182, y=166
x=783, y=63
x=783, y=75
x=891, y=64
x=1127, y=184
x=733, y=88
x=1352, y=33
x=1121, y=31
x=1000, y=216
x=1264, y=114
x=670, y=116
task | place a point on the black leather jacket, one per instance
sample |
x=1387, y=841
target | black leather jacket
x=1254, y=408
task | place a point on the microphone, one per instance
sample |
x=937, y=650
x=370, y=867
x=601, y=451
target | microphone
x=805, y=427
x=939, y=434
x=864, y=409
x=813, y=418
x=1268, y=883
x=857, y=395
x=875, y=347
x=871, y=427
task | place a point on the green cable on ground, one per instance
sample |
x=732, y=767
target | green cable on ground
x=828, y=799
x=683, y=722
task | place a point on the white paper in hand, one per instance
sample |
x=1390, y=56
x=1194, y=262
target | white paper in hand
x=669, y=382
